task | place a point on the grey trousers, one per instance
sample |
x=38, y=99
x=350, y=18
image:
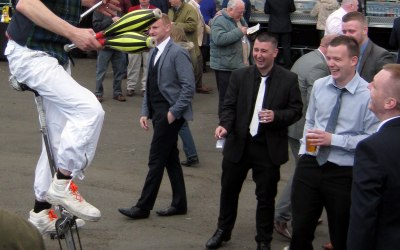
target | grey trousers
x=283, y=208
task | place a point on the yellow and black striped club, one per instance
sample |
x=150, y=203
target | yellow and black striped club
x=138, y=21
x=129, y=42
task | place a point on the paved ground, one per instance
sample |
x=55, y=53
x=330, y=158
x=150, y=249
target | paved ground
x=117, y=175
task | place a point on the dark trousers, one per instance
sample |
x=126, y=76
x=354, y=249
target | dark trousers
x=266, y=176
x=198, y=71
x=205, y=52
x=164, y=154
x=285, y=40
x=222, y=78
x=315, y=187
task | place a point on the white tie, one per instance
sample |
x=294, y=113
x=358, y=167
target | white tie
x=257, y=108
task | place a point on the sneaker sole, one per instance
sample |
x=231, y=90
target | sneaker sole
x=77, y=214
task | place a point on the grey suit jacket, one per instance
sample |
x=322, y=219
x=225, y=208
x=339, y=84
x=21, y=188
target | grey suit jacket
x=175, y=81
x=309, y=68
x=372, y=61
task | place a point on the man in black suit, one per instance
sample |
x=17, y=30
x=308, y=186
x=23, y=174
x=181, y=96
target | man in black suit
x=394, y=40
x=280, y=24
x=262, y=100
x=375, y=204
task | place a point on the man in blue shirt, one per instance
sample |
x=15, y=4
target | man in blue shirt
x=323, y=179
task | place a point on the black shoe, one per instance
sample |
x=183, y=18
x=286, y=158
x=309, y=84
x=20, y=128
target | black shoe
x=169, y=211
x=216, y=240
x=190, y=161
x=134, y=212
x=263, y=246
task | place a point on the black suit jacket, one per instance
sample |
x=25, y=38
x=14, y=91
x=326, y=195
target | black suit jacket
x=375, y=196
x=283, y=97
x=394, y=40
x=279, y=15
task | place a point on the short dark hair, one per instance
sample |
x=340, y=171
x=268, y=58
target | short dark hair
x=349, y=42
x=355, y=16
x=266, y=37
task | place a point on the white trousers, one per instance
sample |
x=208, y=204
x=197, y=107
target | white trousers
x=133, y=70
x=74, y=117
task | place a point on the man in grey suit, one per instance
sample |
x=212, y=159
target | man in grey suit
x=309, y=68
x=372, y=57
x=169, y=92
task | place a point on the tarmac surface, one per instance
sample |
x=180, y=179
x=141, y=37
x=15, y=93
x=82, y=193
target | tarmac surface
x=117, y=174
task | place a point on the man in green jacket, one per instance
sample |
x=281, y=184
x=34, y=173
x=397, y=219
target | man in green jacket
x=228, y=45
x=183, y=15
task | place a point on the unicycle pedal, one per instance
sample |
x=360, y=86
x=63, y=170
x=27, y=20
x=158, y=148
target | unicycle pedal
x=66, y=230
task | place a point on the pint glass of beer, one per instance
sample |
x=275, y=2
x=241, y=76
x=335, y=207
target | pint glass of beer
x=310, y=148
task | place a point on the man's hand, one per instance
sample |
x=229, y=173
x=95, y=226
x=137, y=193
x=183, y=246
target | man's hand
x=244, y=30
x=220, y=132
x=266, y=116
x=319, y=137
x=143, y=122
x=170, y=117
x=85, y=39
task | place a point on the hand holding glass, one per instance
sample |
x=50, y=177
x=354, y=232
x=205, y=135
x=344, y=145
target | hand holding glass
x=264, y=115
x=309, y=147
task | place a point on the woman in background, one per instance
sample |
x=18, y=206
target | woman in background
x=322, y=9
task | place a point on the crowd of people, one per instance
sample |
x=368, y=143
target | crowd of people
x=342, y=100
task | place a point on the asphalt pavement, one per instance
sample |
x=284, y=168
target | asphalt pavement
x=116, y=177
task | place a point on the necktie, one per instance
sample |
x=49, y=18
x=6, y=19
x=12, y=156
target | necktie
x=323, y=153
x=153, y=57
x=257, y=107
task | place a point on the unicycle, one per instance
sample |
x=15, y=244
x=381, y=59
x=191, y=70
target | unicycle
x=66, y=227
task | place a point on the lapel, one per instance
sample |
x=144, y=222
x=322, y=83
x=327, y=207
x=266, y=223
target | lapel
x=162, y=58
x=272, y=86
x=253, y=83
x=367, y=51
x=320, y=56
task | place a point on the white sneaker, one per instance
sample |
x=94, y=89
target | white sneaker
x=45, y=221
x=65, y=193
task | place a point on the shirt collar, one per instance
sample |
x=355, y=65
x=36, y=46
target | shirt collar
x=258, y=75
x=162, y=45
x=350, y=86
x=385, y=121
